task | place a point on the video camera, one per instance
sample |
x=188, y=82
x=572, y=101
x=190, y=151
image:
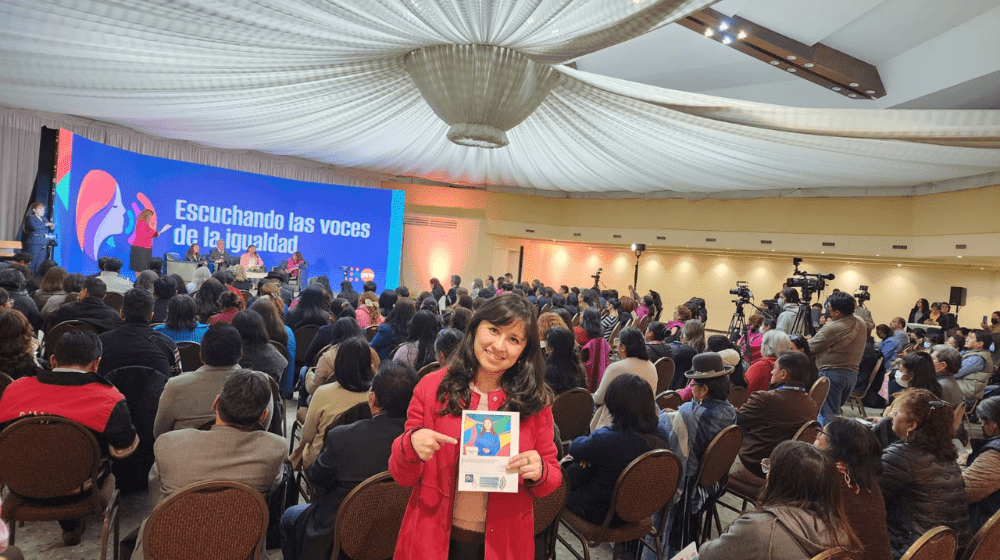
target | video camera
x=862, y=294
x=808, y=283
x=742, y=291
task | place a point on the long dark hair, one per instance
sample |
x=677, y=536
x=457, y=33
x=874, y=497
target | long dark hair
x=856, y=446
x=591, y=323
x=313, y=308
x=182, y=313
x=207, y=298
x=346, y=328
x=921, y=367
x=563, y=370
x=424, y=328
x=524, y=382
x=805, y=478
x=399, y=318
x=630, y=401
x=353, y=365
x=272, y=320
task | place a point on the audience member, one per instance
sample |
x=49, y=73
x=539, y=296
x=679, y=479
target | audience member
x=51, y=284
x=229, y=305
x=73, y=389
x=368, y=313
x=634, y=360
x=418, y=350
x=800, y=512
x=144, y=280
x=982, y=477
x=207, y=298
x=977, y=364
x=71, y=286
x=164, y=290
x=187, y=399
x=920, y=480
x=258, y=353
x=789, y=302
x=12, y=280
x=201, y=275
x=838, y=348
x=240, y=281
x=598, y=459
x=353, y=370
x=758, y=375
x=858, y=458
x=589, y=327
x=920, y=313
x=230, y=450
x=994, y=326
x=347, y=292
x=351, y=454
x=135, y=343
x=947, y=362
x=691, y=341
x=17, y=345
x=313, y=308
x=112, y=277
x=182, y=320
x=447, y=340
x=393, y=331
x=656, y=343
x=89, y=308
x=563, y=370
x=279, y=332
x=342, y=329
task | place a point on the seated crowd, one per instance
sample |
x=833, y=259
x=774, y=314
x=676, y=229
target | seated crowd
x=384, y=375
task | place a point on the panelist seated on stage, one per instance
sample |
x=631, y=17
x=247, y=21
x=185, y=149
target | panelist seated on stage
x=194, y=255
x=219, y=256
x=294, y=265
x=251, y=261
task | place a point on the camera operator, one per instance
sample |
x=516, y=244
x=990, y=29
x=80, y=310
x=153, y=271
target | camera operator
x=788, y=300
x=838, y=348
x=861, y=311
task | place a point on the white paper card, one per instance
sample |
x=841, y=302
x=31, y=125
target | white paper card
x=489, y=440
x=690, y=552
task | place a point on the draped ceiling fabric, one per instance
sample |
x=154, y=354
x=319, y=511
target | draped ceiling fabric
x=328, y=80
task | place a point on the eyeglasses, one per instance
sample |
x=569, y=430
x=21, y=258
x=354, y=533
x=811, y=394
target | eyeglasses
x=765, y=465
x=820, y=431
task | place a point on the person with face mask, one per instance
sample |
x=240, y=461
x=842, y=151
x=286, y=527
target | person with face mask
x=982, y=477
x=789, y=301
x=916, y=370
x=994, y=326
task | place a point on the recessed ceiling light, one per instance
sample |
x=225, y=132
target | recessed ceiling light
x=836, y=88
x=960, y=256
x=877, y=255
x=723, y=26
x=899, y=265
x=870, y=92
x=809, y=65
x=822, y=252
x=709, y=32
x=852, y=95
x=726, y=40
x=775, y=62
x=742, y=35
x=853, y=84
x=791, y=57
x=792, y=70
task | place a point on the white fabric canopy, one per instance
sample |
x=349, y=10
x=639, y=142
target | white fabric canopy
x=326, y=79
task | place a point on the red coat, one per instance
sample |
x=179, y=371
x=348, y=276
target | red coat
x=427, y=524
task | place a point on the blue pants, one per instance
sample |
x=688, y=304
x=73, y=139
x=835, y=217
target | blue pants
x=289, y=547
x=841, y=383
x=37, y=252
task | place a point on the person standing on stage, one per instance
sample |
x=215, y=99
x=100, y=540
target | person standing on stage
x=142, y=244
x=33, y=240
x=251, y=261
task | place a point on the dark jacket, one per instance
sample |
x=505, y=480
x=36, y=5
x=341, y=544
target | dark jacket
x=769, y=418
x=90, y=310
x=921, y=492
x=351, y=454
x=141, y=387
x=22, y=302
x=981, y=511
x=385, y=340
x=160, y=311
x=683, y=355
x=137, y=344
x=265, y=358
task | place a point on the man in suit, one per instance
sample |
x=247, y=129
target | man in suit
x=135, y=343
x=219, y=256
x=89, y=308
x=112, y=279
x=351, y=454
x=187, y=400
x=231, y=450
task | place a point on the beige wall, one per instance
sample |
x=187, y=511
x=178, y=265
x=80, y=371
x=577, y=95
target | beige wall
x=480, y=232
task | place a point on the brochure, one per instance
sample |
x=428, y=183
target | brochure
x=489, y=440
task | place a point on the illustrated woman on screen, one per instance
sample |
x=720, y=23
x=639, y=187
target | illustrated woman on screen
x=142, y=244
x=488, y=442
x=100, y=213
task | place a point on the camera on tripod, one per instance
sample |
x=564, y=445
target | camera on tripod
x=862, y=294
x=742, y=291
x=808, y=283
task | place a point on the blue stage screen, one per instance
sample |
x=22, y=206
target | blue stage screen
x=102, y=190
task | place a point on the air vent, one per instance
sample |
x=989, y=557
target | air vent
x=660, y=238
x=616, y=236
x=424, y=221
x=900, y=247
x=529, y=231
x=962, y=246
x=829, y=244
x=765, y=241
x=577, y=234
x=709, y=240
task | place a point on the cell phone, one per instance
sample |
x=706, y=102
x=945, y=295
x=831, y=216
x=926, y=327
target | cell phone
x=985, y=319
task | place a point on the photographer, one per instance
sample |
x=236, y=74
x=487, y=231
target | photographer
x=838, y=348
x=788, y=300
x=861, y=311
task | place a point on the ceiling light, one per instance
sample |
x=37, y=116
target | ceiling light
x=723, y=26
x=852, y=95
x=809, y=65
x=853, y=84
x=791, y=57
x=726, y=40
x=899, y=265
x=775, y=62
x=960, y=256
x=822, y=252
x=836, y=88
x=792, y=70
x=742, y=35
x=878, y=255
x=870, y=92
x=709, y=32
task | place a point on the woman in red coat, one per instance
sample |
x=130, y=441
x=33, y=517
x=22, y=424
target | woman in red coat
x=497, y=366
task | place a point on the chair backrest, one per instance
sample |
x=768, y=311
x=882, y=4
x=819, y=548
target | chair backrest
x=959, y=415
x=371, y=331
x=52, y=457
x=546, y=509
x=190, y=353
x=369, y=519
x=871, y=377
x=613, y=339
x=737, y=396
x=837, y=554
x=985, y=544
x=665, y=369
x=572, y=412
x=576, y=319
x=644, y=323
x=433, y=366
x=807, y=433
x=645, y=486
x=247, y=296
x=303, y=338
x=218, y=519
x=937, y=544
x=819, y=391
x=55, y=333
x=719, y=456
x=669, y=399
x=392, y=353
x=114, y=300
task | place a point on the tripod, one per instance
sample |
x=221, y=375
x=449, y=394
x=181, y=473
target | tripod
x=803, y=318
x=737, y=331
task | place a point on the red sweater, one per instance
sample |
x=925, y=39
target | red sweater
x=144, y=235
x=758, y=375
x=426, y=526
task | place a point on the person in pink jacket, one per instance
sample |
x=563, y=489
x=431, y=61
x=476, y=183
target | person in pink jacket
x=497, y=366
